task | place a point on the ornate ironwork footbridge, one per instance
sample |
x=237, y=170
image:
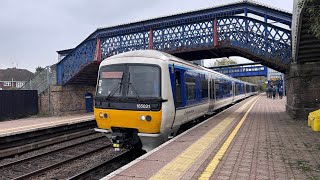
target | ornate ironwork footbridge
x=245, y=28
x=242, y=70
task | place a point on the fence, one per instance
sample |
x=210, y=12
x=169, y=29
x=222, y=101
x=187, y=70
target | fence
x=41, y=81
x=18, y=103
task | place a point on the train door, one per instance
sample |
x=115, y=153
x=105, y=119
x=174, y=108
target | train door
x=177, y=80
x=245, y=89
x=233, y=90
x=177, y=95
x=212, y=93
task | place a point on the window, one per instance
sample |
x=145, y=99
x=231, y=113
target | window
x=212, y=94
x=190, y=88
x=227, y=87
x=7, y=84
x=237, y=86
x=129, y=80
x=19, y=84
x=217, y=87
x=247, y=88
x=204, y=85
x=223, y=88
x=145, y=80
x=242, y=89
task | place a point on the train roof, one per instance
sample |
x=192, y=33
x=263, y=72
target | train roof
x=150, y=53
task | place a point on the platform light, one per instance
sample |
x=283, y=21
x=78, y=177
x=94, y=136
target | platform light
x=142, y=118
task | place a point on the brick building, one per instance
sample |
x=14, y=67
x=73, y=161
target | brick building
x=13, y=78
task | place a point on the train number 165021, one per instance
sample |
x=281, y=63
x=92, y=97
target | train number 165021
x=143, y=106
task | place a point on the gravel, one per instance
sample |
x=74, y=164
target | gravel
x=49, y=148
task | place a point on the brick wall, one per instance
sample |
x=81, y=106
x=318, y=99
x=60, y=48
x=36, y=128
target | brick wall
x=65, y=99
x=303, y=89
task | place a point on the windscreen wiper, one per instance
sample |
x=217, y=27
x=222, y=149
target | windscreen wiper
x=115, y=89
x=133, y=89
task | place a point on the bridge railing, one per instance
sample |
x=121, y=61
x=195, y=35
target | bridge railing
x=248, y=34
x=258, y=37
x=41, y=81
x=76, y=60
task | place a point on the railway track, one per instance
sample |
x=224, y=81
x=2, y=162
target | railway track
x=11, y=145
x=35, y=165
x=107, y=166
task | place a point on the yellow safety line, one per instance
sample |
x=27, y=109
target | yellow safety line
x=177, y=167
x=44, y=124
x=206, y=174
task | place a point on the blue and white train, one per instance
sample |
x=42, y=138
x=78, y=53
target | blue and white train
x=144, y=96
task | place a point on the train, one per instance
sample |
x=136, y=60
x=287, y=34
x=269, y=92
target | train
x=143, y=97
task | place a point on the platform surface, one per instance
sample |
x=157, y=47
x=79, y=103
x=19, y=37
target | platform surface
x=18, y=126
x=254, y=139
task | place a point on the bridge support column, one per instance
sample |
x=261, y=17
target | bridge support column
x=150, y=44
x=303, y=89
x=97, y=55
x=215, y=32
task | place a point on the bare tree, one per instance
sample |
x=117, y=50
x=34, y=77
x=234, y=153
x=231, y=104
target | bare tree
x=224, y=62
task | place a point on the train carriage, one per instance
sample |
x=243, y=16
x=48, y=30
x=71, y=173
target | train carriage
x=144, y=96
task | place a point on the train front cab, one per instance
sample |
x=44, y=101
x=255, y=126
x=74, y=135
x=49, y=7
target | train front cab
x=130, y=103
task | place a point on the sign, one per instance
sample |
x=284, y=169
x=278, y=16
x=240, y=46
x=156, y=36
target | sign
x=111, y=75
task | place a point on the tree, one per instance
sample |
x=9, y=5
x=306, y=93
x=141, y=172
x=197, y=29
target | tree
x=224, y=62
x=313, y=8
x=39, y=69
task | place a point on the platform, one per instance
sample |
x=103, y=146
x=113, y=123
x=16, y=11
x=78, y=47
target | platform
x=254, y=139
x=24, y=125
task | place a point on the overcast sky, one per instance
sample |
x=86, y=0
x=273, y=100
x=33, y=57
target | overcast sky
x=31, y=31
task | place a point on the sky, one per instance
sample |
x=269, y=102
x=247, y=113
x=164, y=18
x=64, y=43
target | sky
x=31, y=31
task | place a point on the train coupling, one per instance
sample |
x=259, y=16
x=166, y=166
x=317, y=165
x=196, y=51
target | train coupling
x=120, y=140
x=125, y=138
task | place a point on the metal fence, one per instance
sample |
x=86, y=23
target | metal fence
x=42, y=80
x=18, y=103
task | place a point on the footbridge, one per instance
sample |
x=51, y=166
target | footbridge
x=248, y=29
x=242, y=70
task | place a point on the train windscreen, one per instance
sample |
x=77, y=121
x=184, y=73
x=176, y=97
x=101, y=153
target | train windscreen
x=129, y=80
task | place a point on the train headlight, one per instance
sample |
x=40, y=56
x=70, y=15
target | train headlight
x=103, y=115
x=142, y=118
x=148, y=118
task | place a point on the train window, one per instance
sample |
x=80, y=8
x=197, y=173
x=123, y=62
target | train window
x=204, y=84
x=242, y=89
x=247, y=88
x=212, y=94
x=190, y=88
x=228, y=89
x=237, y=85
x=110, y=78
x=178, y=89
x=218, y=89
x=144, y=81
